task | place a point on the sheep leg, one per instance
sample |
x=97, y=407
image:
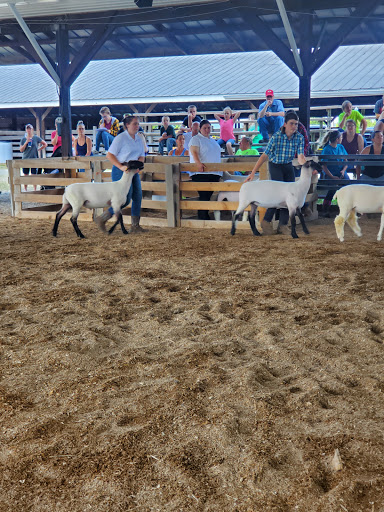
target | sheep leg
x=217, y=215
x=251, y=219
x=235, y=218
x=123, y=229
x=352, y=223
x=76, y=227
x=379, y=236
x=302, y=221
x=293, y=225
x=59, y=215
x=339, y=226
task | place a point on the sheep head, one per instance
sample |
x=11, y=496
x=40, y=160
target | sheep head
x=132, y=165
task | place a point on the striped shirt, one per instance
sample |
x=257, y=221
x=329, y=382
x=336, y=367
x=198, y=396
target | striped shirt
x=281, y=150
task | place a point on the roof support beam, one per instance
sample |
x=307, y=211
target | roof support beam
x=227, y=32
x=16, y=47
x=291, y=38
x=364, y=9
x=171, y=37
x=270, y=38
x=92, y=45
x=34, y=43
x=62, y=51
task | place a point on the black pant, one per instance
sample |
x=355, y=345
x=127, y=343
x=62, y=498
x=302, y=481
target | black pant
x=204, y=195
x=280, y=172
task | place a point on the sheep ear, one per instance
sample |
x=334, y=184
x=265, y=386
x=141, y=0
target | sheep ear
x=314, y=158
x=295, y=162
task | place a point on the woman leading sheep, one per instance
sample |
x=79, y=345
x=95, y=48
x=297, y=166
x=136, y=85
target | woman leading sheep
x=125, y=147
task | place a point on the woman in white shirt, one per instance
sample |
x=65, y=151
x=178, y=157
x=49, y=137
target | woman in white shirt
x=204, y=150
x=126, y=146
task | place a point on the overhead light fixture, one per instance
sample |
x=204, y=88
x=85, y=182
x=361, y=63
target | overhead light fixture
x=143, y=3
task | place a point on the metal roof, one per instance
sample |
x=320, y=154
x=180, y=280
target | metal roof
x=224, y=77
x=34, y=8
x=179, y=27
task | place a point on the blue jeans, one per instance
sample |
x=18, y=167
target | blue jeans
x=104, y=137
x=270, y=125
x=134, y=192
x=169, y=142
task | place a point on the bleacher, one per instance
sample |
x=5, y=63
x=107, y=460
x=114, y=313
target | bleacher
x=152, y=130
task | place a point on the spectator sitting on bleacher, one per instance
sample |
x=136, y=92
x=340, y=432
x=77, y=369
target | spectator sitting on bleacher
x=271, y=115
x=373, y=172
x=353, y=142
x=349, y=113
x=179, y=150
x=245, y=148
x=107, y=131
x=227, y=137
x=379, y=107
x=257, y=138
x=337, y=171
x=188, y=135
x=30, y=146
x=167, y=135
x=191, y=118
x=83, y=144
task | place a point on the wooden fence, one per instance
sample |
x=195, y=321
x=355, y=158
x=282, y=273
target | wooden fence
x=170, y=199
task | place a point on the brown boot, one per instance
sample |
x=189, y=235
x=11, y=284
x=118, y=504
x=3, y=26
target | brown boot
x=135, y=228
x=101, y=220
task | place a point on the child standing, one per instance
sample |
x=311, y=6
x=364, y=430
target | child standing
x=227, y=137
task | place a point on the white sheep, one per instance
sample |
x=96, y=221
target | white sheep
x=98, y=195
x=277, y=194
x=229, y=195
x=354, y=199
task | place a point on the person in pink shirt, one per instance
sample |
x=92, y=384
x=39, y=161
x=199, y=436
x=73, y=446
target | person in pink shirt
x=227, y=137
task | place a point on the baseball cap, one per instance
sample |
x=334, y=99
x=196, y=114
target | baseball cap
x=28, y=126
x=269, y=92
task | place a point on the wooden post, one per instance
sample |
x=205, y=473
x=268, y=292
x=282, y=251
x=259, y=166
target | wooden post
x=171, y=217
x=176, y=188
x=97, y=178
x=62, y=46
x=11, y=186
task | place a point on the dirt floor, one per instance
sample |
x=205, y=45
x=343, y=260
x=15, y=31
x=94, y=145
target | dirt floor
x=190, y=370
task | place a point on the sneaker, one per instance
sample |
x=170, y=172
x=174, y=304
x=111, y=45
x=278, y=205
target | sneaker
x=266, y=227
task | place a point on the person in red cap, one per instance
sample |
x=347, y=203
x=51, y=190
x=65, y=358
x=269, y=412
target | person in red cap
x=271, y=115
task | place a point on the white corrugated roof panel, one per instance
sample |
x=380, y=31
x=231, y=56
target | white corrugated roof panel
x=35, y=8
x=230, y=76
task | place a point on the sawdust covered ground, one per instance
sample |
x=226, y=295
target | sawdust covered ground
x=190, y=371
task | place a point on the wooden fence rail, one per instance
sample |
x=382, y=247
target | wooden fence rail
x=162, y=178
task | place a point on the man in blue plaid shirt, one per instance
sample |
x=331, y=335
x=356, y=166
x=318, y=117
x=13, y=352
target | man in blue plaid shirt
x=280, y=151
